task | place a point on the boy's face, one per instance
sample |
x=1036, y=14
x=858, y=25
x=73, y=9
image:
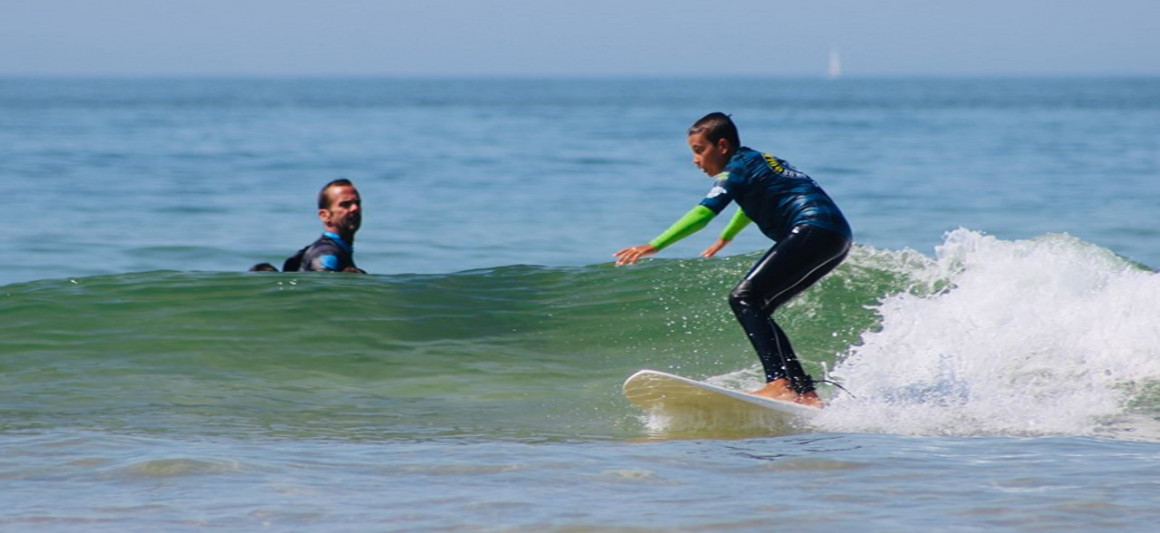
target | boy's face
x=710, y=158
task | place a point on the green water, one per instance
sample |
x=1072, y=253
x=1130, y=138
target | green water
x=517, y=351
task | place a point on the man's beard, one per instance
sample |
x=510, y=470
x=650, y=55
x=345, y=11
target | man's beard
x=350, y=224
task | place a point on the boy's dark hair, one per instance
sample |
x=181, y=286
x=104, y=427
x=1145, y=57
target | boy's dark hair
x=717, y=126
x=324, y=199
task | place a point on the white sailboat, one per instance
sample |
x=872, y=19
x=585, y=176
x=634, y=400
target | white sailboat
x=835, y=64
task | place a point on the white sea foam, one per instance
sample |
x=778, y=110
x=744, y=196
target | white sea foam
x=1045, y=336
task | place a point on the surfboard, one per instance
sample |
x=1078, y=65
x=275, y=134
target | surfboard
x=696, y=404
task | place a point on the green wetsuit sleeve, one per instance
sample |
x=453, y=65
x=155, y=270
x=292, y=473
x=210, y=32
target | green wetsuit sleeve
x=693, y=221
x=738, y=223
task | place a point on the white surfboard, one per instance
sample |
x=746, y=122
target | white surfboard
x=694, y=404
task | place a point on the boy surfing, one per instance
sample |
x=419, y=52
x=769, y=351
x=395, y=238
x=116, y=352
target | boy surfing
x=811, y=238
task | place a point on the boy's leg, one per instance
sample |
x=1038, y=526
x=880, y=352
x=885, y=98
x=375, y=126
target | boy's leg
x=787, y=269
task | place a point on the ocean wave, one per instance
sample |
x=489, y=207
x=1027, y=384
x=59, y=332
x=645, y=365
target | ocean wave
x=1048, y=335
x=1044, y=336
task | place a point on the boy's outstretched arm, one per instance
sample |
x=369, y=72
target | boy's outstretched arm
x=689, y=224
x=629, y=256
x=738, y=223
x=714, y=248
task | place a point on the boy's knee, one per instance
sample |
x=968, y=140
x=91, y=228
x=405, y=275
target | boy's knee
x=743, y=296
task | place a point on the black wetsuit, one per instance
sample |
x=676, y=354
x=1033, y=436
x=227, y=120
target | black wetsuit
x=328, y=253
x=812, y=238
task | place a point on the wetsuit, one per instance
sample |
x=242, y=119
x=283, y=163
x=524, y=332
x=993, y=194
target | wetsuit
x=328, y=253
x=812, y=237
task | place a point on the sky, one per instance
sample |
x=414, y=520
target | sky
x=538, y=38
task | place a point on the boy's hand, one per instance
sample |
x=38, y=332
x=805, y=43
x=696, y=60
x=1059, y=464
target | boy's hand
x=716, y=247
x=629, y=256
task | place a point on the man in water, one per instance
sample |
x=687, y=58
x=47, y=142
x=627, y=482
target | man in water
x=812, y=238
x=340, y=210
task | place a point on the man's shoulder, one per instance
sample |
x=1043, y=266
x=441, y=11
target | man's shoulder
x=324, y=246
x=307, y=256
x=323, y=243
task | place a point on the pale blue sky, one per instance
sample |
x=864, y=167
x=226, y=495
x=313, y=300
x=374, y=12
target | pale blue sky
x=578, y=37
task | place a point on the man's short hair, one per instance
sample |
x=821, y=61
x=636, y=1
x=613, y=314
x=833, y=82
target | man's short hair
x=324, y=199
x=717, y=126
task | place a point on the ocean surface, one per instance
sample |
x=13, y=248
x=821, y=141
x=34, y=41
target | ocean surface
x=995, y=329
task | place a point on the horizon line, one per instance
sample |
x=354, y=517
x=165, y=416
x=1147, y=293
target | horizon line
x=572, y=76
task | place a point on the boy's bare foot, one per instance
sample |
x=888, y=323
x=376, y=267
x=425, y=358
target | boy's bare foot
x=777, y=389
x=810, y=398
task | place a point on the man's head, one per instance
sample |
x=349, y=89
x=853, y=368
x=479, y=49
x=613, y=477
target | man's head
x=713, y=140
x=340, y=208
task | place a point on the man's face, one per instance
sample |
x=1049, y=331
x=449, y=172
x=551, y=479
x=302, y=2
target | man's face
x=344, y=216
x=710, y=158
